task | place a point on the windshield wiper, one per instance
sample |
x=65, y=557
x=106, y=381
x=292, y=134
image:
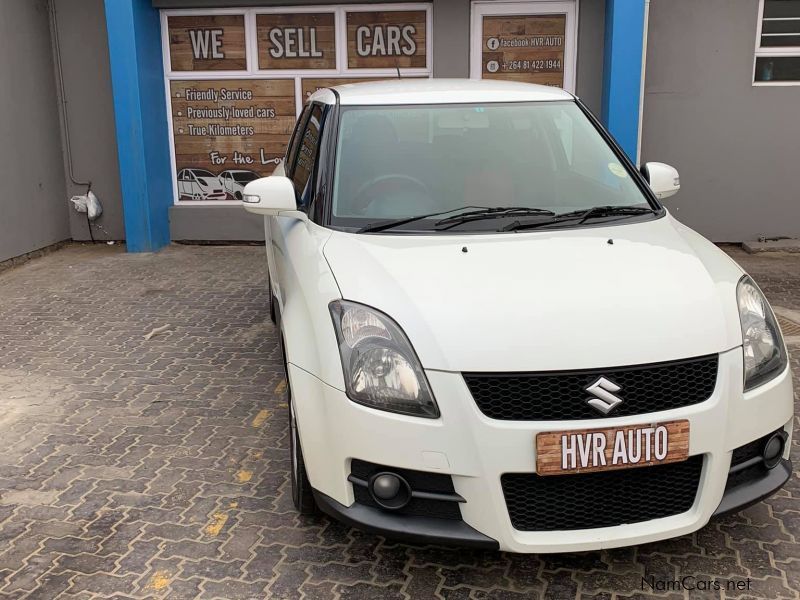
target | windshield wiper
x=581, y=216
x=608, y=211
x=390, y=223
x=490, y=213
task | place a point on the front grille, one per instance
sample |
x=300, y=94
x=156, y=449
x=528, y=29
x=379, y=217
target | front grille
x=561, y=395
x=601, y=499
x=420, y=481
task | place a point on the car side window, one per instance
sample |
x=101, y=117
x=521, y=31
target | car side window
x=294, y=142
x=302, y=175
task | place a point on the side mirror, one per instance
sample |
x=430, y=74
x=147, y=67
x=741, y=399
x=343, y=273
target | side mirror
x=663, y=179
x=270, y=196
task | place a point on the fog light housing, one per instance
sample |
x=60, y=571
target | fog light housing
x=773, y=449
x=389, y=490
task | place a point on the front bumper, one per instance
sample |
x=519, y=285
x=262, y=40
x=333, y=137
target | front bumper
x=741, y=496
x=476, y=451
x=424, y=530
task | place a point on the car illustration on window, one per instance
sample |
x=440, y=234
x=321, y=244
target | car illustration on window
x=234, y=180
x=199, y=184
x=496, y=334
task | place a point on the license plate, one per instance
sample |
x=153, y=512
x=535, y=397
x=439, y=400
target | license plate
x=606, y=449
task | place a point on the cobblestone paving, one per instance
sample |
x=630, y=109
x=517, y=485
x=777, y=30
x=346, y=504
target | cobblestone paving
x=133, y=468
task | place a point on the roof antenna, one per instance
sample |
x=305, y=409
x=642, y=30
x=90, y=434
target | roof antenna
x=397, y=66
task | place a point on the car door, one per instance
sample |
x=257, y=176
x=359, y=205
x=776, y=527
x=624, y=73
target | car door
x=236, y=186
x=282, y=169
x=196, y=189
x=294, y=241
x=182, y=183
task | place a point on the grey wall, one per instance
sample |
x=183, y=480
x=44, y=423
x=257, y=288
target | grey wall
x=214, y=223
x=591, y=40
x=451, y=29
x=32, y=197
x=90, y=112
x=737, y=147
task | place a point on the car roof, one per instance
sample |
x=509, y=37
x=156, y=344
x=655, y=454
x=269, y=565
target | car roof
x=438, y=91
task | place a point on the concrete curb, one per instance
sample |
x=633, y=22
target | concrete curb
x=783, y=245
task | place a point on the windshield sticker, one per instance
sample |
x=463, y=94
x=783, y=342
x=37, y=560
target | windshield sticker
x=618, y=170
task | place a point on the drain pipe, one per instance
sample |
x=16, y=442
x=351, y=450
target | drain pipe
x=64, y=113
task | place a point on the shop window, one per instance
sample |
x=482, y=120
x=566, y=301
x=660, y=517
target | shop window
x=777, y=59
x=238, y=78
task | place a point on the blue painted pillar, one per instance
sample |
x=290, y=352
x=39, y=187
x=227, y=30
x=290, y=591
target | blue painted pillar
x=622, y=71
x=140, y=114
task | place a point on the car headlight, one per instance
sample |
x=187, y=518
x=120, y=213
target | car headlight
x=381, y=369
x=764, y=352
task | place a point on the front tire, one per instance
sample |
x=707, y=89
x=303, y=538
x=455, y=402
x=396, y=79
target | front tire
x=273, y=313
x=302, y=496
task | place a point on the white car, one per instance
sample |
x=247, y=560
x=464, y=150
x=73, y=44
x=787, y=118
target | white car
x=199, y=184
x=495, y=335
x=234, y=180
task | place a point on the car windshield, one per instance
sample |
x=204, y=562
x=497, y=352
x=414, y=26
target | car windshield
x=202, y=173
x=244, y=176
x=395, y=162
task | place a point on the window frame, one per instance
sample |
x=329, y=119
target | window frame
x=494, y=8
x=310, y=185
x=771, y=52
x=293, y=145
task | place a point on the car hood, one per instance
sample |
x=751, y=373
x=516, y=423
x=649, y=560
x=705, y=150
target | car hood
x=547, y=300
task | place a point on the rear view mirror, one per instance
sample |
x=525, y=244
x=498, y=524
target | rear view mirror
x=270, y=196
x=663, y=179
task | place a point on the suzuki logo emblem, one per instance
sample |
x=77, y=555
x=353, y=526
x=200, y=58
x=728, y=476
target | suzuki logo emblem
x=604, y=399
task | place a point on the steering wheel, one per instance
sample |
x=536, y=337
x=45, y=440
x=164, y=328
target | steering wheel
x=369, y=190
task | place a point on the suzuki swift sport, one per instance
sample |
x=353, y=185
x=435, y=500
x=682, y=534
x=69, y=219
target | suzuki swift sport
x=495, y=335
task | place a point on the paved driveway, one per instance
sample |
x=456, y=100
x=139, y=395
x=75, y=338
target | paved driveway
x=134, y=468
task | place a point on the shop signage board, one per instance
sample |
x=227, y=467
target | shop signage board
x=207, y=43
x=312, y=84
x=236, y=79
x=296, y=40
x=386, y=39
x=527, y=48
x=228, y=131
x=530, y=42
